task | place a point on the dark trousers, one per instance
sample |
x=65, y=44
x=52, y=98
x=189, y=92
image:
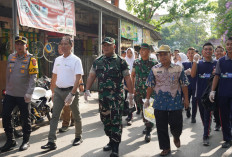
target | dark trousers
x=225, y=106
x=191, y=93
x=216, y=115
x=205, y=117
x=174, y=119
x=25, y=110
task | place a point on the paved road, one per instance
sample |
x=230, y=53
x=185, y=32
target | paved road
x=132, y=145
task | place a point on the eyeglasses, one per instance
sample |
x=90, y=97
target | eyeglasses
x=208, y=49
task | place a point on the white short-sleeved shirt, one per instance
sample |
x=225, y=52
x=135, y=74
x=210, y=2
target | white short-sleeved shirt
x=66, y=70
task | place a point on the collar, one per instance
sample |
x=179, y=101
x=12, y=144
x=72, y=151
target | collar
x=113, y=56
x=171, y=65
x=207, y=61
x=22, y=56
x=227, y=58
x=67, y=56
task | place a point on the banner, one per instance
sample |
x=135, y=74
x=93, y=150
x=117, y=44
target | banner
x=51, y=15
x=128, y=31
x=140, y=36
x=146, y=36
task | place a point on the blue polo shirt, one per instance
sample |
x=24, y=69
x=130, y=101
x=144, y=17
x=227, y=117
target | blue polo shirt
x=192, y=81
x=167, y=86
x=224, y=70
x=204, y=72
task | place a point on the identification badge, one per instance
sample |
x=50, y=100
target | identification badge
x=203, y=76
x=226, y=75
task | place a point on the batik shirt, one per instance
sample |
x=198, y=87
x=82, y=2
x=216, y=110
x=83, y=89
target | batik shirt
x=167, y=86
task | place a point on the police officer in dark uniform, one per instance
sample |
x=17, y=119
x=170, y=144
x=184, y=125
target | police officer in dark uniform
x=223, y=78
x=20, y=83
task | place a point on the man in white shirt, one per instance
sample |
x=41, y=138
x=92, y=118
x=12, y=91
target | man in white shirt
x=67, y=72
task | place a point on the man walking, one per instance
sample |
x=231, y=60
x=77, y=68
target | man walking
x=167, y=80
x=110, y=69
x=67, y=72
x=20, y=83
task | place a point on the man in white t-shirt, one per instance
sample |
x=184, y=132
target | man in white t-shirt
x=67, y=72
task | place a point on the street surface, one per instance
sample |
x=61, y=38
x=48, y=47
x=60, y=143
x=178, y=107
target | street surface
x=132, y=145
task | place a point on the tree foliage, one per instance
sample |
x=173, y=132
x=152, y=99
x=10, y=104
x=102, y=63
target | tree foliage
x=177, y=9
x=189, y=32
x=223, y=22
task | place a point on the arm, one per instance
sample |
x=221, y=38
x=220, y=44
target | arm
x=129, y=83
x=185, y=92
x=90, y=80
x=133, y=79
x=81, y=85
x=194, y=70
x=53, y=82
x=215, y=82
x=76, y=84
x=149, y=92
x=31, y=86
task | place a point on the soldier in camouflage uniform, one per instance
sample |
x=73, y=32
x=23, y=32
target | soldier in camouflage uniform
x=110, y=69
x=140, y=72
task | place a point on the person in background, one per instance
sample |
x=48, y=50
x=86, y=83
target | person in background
x=21, y=73
x=123, y=54
x=223, y=79
x=130, y=58
x=219, y=53
x=175, y=55
x=181, y=58
x=167, y=80
x=203, y=70
x=192, y=86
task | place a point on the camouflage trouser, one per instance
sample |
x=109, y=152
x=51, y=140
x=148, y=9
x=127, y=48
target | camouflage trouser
x=139, y=95
x=110, y=108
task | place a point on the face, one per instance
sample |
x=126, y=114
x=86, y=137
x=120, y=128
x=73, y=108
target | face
x=229, y=46
x=108, y=49
x=129, y=53
x=207, y=51
x=164, y=57
x=190, y=54
x=219, y=53
x=20, y=47
x=144, y=53
x=59, y=50
x=65, y=46
x=178, y=57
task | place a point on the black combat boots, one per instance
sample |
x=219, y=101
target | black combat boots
x=108, y=147
x=115, y=146
x=10, y=143
x=25, y=145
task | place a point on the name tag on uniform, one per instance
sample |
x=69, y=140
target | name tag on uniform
x=203, y=76
x=226, y=75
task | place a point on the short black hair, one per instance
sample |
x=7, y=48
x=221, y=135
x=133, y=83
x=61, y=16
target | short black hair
x=219, y=47
x=208, y=44
x=177, y=50
x=191, y=48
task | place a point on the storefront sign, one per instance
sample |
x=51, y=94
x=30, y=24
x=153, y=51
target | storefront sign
x=128, y=31
x=146, y=36
x=50, y=15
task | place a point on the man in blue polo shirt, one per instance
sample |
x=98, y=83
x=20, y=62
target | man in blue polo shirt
x=192, y=86
x=223, y=78
x=202, y=70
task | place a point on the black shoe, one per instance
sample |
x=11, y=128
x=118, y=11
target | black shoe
x=49, y=145
x=206, y=141
x=24, y=146
x=145, y=131
x=188, y=114
x=193, y=120
x=148, y=137
x=9, y=145
x=217, y=127
x=107, y=147
x=114, y=146
x=77, y=141
x=226, y=144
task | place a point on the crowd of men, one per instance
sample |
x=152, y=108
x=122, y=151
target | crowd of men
x=174, y=80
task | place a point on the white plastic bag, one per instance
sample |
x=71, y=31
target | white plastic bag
x=149, y=112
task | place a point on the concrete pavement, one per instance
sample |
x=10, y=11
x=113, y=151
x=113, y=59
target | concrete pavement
x=132, y=145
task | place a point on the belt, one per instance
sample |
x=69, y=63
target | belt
x=65, y=89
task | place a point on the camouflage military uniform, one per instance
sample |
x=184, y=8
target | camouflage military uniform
x=142, y=69
x=110, y=72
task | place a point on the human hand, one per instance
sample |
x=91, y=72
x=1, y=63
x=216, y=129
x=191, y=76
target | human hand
x=196, y=58
x=186, y=103
x=188, y=71
x=86, y=94
x=69, y=99
x=212, y=96
x=27, y=98
x=147, y=103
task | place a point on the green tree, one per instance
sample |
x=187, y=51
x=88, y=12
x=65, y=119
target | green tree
x=189, y=32
x=145, y=9
x=223, y=22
